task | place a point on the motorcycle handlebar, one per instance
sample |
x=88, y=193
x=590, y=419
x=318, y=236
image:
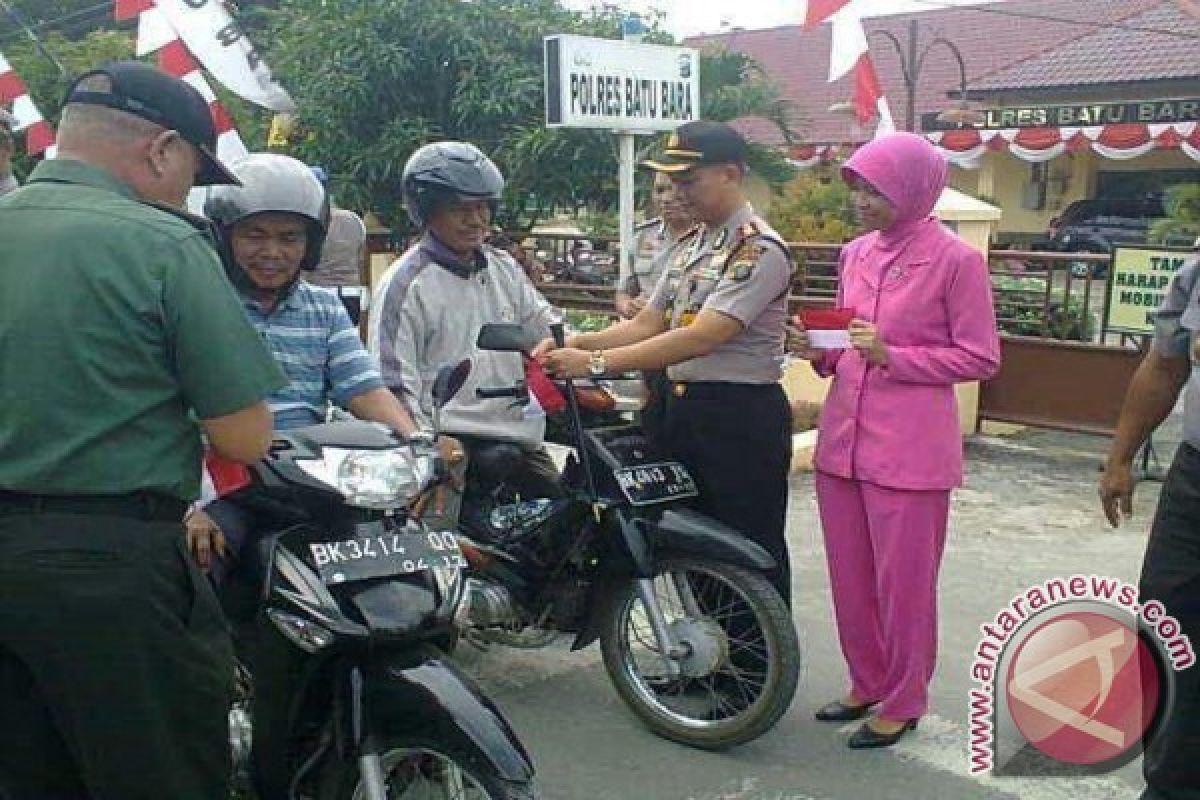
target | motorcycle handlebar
x=520, y=390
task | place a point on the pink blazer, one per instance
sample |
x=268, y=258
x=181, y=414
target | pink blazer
x=897, y=426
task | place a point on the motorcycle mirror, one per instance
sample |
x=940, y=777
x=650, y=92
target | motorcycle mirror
x=449, y=380
x=506, y=337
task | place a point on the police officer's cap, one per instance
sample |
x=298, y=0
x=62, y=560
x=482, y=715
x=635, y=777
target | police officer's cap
x=147, y=92
x=697, y=144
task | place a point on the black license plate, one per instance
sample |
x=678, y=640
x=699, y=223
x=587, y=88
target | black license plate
x=375, y=553
x=647, y=484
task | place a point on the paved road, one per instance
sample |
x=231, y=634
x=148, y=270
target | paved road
x=1027, y=514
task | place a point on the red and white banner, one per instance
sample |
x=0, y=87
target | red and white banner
x=214, y=39
x=39, y=135
x=1119, y=142
x=156, y=34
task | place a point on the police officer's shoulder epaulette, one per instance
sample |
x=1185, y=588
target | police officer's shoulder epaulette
x=648, y=224
x=742, y=260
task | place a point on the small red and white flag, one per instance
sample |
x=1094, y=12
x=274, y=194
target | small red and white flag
x=39, y=135
x=814, y=12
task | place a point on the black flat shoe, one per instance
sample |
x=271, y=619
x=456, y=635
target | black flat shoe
x=867, y=737
x=837, y=711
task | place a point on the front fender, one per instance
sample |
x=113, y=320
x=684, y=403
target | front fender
x=686, y=531
x=434, y=698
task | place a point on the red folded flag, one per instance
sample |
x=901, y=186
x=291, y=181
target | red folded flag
x=226, y=476
x=826, y=319
x=542, y=388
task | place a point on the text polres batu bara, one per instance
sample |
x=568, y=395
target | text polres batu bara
x=599, y=95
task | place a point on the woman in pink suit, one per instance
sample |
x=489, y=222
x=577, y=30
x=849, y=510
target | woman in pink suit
x=889, y=450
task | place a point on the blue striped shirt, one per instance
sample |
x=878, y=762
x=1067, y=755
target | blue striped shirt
x=311, y=336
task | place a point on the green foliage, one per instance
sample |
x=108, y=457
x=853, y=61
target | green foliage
x=587, y=321
x=1182, y=204
x=1020, y=311
x=376, y=80
x=815, y=207
x=41, y=76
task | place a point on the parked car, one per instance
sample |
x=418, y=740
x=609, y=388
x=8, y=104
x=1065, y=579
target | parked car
x=1102, y=223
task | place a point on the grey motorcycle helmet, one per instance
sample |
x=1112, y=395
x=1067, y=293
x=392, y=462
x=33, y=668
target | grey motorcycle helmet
x=271, y=182
x=443, y=172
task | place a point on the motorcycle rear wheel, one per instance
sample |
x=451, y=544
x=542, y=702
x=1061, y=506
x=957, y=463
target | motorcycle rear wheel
x=728, y=699
x=427, y=770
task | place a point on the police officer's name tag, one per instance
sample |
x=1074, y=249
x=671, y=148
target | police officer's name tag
x=375, y=553
x=648, y=484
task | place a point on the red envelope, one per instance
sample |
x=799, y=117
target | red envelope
x=826, y=319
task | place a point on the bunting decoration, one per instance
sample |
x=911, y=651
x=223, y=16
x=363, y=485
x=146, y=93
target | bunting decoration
x=1118, y=141
x=197, y=36
x=39, y=134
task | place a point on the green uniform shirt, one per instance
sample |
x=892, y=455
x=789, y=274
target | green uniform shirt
x=117, y=325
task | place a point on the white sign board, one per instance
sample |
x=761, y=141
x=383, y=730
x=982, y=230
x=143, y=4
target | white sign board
x=620, y=86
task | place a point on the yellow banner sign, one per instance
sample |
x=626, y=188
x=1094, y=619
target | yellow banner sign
x=1140, y=279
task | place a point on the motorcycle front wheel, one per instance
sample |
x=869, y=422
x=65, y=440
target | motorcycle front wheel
x=737, y=662
x=426, y=770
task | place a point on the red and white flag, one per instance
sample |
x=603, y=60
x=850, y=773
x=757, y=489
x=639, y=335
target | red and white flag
x=814, y=12
x=39, y=135
x=850, y=53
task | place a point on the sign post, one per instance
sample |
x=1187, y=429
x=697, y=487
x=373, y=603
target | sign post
x=1137, y=287
x=625, y=87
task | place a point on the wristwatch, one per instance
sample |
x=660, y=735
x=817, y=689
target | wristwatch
x=597, y=364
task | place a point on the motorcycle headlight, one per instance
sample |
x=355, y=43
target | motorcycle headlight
x=376, y=479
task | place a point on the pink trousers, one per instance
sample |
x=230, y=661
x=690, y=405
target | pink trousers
x=884, y=547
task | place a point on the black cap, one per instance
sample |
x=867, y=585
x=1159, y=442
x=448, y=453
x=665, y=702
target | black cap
x=698, y=143
x=150, y=93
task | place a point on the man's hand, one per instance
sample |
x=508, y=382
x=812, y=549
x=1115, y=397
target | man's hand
x=1116, y=492
x=545, y=346
x=204, y=539
x=450, y=450
x=629, y=307
x=864, y=337
x=567, y=362
x=798, y=343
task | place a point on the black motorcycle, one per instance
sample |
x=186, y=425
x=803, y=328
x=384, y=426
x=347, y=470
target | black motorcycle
x=343, y=610
x=696, y=640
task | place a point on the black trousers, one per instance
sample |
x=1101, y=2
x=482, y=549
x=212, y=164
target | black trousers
x=736, y=440
x=116, y=667
x=1171, y=575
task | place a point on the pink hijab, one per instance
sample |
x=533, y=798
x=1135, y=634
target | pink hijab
x=907, y=170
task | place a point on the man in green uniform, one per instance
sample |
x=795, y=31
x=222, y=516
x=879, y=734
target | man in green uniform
x=118, y=331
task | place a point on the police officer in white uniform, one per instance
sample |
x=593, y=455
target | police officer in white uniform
x=716, y=322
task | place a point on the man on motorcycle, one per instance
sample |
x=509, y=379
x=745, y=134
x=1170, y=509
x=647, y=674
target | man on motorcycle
x=431, y=303
x=270, y=229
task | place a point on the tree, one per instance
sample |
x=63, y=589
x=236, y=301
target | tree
x=1182, y=204
x=376, y=80
x=815, y=207
x=46, y=85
